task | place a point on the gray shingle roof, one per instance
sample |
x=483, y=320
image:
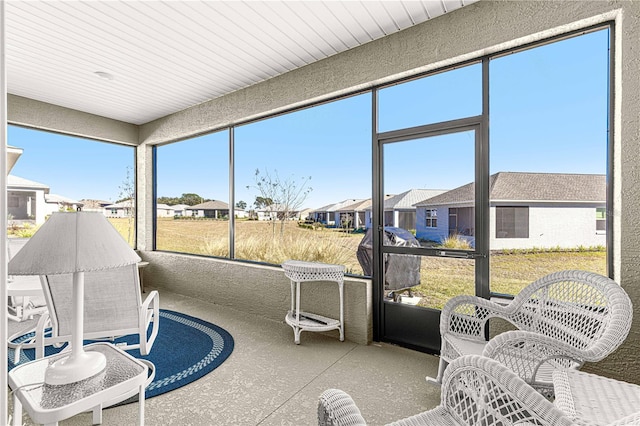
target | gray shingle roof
x=519, y=186
x=408, y=199
x=210, y=205
x=338, y=206
x=341, y=204
x=357, y=206
x=18, y=182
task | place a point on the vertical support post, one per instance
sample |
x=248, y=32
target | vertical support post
x=3, y=217
x=232, y=196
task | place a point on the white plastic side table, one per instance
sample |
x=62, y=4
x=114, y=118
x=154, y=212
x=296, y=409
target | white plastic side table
x=48, y=404
x=299, y=271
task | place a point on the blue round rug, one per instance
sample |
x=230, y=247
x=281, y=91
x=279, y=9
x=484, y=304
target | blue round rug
x=185, y=349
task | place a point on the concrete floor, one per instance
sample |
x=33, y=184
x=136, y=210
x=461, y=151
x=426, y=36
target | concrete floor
x=268, y=380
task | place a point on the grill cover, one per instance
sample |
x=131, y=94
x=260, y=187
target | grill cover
x=402, y=271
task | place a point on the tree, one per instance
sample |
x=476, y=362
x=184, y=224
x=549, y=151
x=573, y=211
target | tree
x=284, y=197
x=189, y=199
x=170, y=201
x=262, y=203
x=127, y=194
x=192, y=199
x=241, y=205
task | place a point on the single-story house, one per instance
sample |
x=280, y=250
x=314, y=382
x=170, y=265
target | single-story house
x=400, y=210
x=122, y=209
x=180, y=209
x=89, y=205
x=26, y=200
x=354, y=215
x=164, y=210
x=321, y=215
x=215, y=209
x=526, y=210
x=13, y=153
x=31, y=201
x=273, y=212
x=56, y=203
x=333, y=212
x=304, y=214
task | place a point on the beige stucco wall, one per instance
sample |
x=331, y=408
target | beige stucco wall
x=260, y=290
x=44, y=116
x=470, y=32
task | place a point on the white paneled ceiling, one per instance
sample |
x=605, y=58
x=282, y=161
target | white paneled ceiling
x=164, y=56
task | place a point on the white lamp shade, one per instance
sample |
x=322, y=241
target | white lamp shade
x=73, y=242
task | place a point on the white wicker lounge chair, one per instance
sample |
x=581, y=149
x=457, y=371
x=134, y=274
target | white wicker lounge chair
x=476, y=391
x=563, y=320
x=113, y=307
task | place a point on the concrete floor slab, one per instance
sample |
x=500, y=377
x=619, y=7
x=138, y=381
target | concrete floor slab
x=268, y=380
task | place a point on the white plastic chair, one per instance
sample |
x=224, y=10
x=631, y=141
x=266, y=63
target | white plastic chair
x=476, y=391
x=563, y=319
x=25, y=302
x=113, y=307
x=25, y=296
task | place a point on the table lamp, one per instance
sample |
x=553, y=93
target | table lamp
x=74, y=243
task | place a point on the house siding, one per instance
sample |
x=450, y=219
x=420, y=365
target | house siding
x=438, y=233
x=165, y=213
x=31, y=205
x=568, y=226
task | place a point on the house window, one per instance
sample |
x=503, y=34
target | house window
x=601, y=219
x=512, y=222
x=13, y=202
x=431, y=218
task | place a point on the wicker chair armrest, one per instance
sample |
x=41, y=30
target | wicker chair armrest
x=475, y=390
x=524, y=352
x=337, y=408
x=467, y=315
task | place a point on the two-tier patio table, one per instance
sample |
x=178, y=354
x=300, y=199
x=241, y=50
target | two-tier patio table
x=122, y=377
x=300, y=271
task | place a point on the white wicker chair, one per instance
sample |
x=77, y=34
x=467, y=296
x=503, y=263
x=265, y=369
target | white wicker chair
x=593, y=400
x=563, y=319
x=476, y=391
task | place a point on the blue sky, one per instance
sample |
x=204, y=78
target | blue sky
x=548, y=113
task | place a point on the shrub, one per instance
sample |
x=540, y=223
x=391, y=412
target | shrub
x=26, y=231
x=454, y=241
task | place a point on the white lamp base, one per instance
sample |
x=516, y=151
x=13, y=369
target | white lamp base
x=74, y=368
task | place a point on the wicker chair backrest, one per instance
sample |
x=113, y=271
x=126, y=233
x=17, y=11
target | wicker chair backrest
x=587, y=310
x=480, y=391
